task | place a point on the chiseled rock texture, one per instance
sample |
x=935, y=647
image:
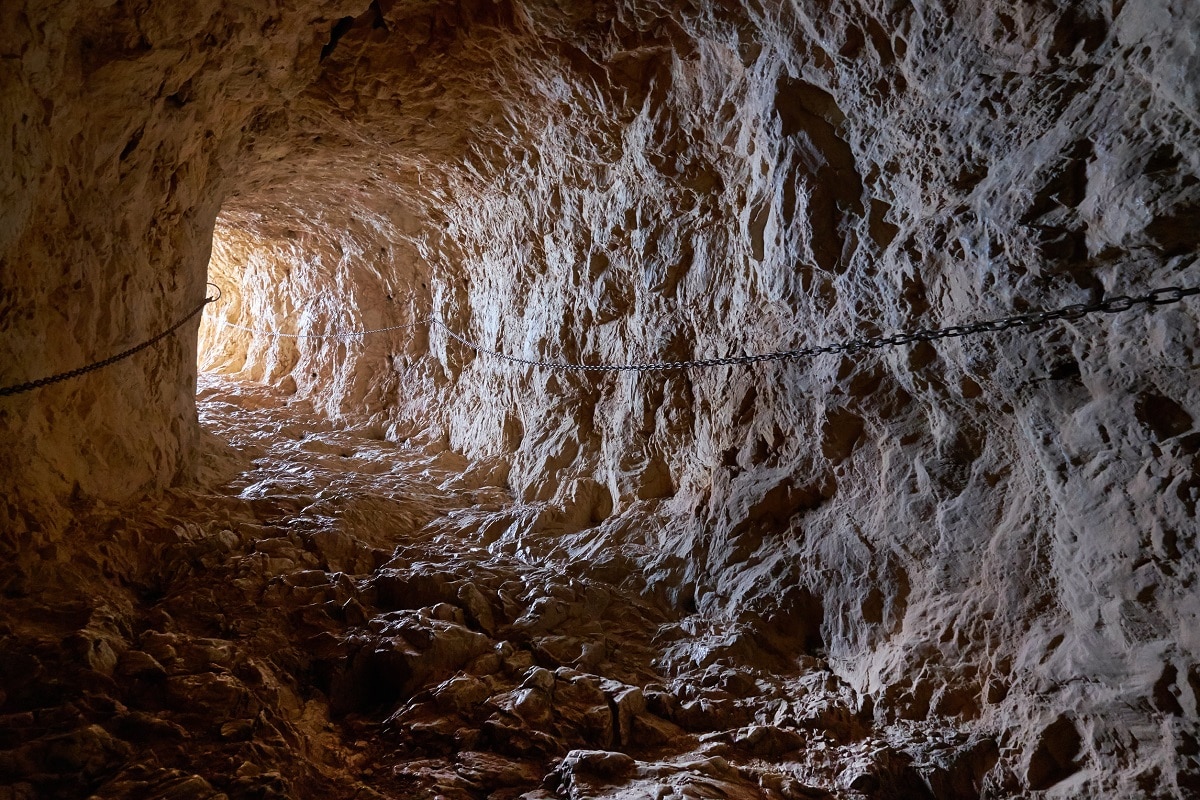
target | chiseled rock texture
x=955, y=569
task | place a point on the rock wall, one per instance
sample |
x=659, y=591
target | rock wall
x=962, y=526
x=124, y=127
x=997, y=531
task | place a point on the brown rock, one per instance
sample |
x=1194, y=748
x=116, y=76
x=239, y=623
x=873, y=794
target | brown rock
x=1054, y=758
x=928, y=544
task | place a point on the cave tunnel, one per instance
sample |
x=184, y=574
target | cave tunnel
x=266, y=556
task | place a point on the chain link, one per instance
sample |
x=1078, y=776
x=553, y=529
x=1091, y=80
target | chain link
x=346, y=335
x=29, y=386
x=1032, y=319
x=1075, y=311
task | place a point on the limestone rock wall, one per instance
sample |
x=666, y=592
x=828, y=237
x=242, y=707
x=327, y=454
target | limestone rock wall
x=962, y=527
x=998, y=532
x=122, y=133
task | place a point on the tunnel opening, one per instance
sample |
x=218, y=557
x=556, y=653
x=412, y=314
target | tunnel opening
x=302, y=287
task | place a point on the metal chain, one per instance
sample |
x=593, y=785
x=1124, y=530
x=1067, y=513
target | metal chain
x=1110, y=305
x=20, y=388
x=347, y=335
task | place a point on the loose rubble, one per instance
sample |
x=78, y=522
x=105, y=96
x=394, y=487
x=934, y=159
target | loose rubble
x=259, y=635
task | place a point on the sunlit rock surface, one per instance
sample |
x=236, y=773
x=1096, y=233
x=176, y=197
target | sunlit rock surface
x=954, y=569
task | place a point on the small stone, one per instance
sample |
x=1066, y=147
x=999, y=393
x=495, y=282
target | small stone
x=462, y=693
x=446, y=613
x=532, y=705
x=604, y=763
x=628, y=702
x=354, y=613
x=540, y=678
x=139, y=664
x=486, y=664
x=478, y=610
x=864, y=782
x=239, y=730
x=648, y=730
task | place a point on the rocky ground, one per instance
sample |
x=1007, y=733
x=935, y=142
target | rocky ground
x=967, y=565
x=326, y=613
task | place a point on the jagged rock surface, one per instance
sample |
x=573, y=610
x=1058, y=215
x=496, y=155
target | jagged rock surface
x=333, y=614
x=976, y=558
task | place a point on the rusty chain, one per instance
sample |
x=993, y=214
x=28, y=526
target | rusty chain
x=1108, y=305
x=29, y=386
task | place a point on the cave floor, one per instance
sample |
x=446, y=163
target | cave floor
x=326, y=613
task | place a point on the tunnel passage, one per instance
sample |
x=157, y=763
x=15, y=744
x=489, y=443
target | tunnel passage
x=960, y=568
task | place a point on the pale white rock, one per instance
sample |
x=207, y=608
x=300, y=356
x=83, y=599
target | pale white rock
x=980, y=551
